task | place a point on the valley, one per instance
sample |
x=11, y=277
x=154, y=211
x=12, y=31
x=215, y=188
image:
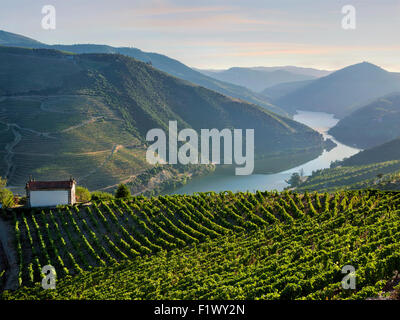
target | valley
x=222, y=180
x=151, y=210
x=88, y=116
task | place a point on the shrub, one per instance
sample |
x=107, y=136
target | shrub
x=122, y=192
x=22, y=201
x=3, y=183
x=82, y=194
x=101, y=196
x=6, y=198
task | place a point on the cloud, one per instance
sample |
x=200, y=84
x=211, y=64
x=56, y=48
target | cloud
x=252, y=48
x=161, y=14
x=221, y=32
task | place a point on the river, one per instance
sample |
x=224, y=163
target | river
x=319, y=121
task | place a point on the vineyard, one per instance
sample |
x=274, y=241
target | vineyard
x=267, y=245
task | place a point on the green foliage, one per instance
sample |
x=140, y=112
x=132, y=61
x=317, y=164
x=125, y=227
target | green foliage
x=82, y=194
x=295, y=180
x=3, y=183
x=122, y=192
x=101, y=196
x=6, y=196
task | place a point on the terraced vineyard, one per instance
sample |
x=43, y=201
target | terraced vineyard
x=213, y=246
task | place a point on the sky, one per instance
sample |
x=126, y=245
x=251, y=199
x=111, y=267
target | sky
x=220, y=34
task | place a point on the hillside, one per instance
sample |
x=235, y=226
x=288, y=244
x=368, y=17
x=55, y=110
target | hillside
x=16, y=40
x=87, y=115
x=161, y=62
x=385, y=152
x=257, y=80
x=353, y=177
x=371, y=125
x=343, y=91
x=377, y=168
x=209, y=246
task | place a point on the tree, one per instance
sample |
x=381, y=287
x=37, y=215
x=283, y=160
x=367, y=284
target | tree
x=82, y=194
x=6, y=196
x=295, y=180
x=122, y=192
x=3, y=183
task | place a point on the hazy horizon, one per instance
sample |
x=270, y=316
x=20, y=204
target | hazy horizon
x=221, y=34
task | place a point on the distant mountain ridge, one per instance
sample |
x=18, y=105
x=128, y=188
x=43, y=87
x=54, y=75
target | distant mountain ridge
x=343, y=91
x=159, y=61
x=316, y=73
x=257, y=79
x=7, y=38
x=280, y=90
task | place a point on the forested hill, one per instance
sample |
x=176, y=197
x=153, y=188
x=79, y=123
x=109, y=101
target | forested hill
x=159, y=61
x=257, y=80
x=371, y=125
x=65, y=113
x=377, y=168
x=385, y=152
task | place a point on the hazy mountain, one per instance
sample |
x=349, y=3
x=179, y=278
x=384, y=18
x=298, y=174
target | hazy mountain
x=87, y=115
x=374, y=124
x=208, y=72
x=256, y=80
x=12, y=39
x=343, y=91
x=283, y=89
x=159, y=61
x=316, y=73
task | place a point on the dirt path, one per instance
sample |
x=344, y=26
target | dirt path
x=9, y=255
x=30, y=154
x=9, y=149
x=84, y=123
x=44, y=134
x=127, y=180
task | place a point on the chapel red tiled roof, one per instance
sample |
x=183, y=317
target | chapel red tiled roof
x=44, y=185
